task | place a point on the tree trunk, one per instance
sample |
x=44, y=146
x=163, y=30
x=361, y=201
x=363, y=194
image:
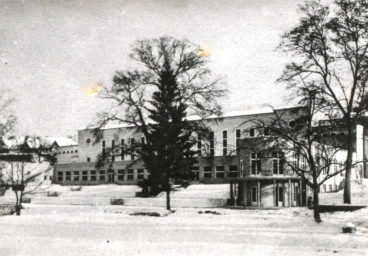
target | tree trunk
x=347, y=183
x=317, y=217
x=18, y=204
x=168, y=189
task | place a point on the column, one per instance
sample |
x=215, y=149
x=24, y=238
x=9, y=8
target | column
x=300, y=193
x=274, y=193
x=289, y=193
x=259, y=194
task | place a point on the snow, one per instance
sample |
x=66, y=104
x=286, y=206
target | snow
x=110, y=230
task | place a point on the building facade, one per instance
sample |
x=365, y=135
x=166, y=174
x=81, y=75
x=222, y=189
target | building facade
x=221, y=159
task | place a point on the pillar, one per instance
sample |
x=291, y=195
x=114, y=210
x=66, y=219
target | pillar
x=300, y=193
x=259, y=194
x=274, y=193
x=289, y=193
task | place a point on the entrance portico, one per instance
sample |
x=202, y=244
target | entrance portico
x=268, y=192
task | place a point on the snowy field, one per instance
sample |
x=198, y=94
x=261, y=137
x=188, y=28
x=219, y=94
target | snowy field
x=110, y=230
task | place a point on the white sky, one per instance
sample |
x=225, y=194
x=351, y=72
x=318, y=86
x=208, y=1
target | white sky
x=49, y=49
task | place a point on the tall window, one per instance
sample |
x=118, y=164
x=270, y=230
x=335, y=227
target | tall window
x=122, y=149
x=120, y=174
x=132, y=143
x=255, y=163
x=220, y=171
x=60, y=176
x=67, y=176
x=85, y=175
x=277, y=165
x=237, y=139
x=254, y=194
x=93, y=175
x=142, y=140
x=76, y=175
x=103, y=150
x=207, y=172
x=252, y=132
x=130, y=174
x=113, y=150
x=102, y=176
x=281, y=194
x=303, y=165
x=212, y=143
x=224, y=143
x=199, y=144
x=233, y=171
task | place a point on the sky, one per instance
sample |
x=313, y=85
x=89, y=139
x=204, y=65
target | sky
x=50, y=51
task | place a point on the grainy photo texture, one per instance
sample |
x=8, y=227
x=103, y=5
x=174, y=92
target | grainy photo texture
x=183, y=127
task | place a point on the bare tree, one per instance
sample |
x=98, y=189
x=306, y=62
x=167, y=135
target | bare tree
x=329, y=48
x=21, y=168
x=305, y=148
x=173, y=81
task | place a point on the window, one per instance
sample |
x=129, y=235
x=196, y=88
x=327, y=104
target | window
x=68, y=176
x=220, y=171
x=266, y=131
x=130, y=174
x=140, y=174
x=330, y=188
x=88, y=141
x=45, y=177
x=237, y=139
x=122, y=149
x=224, y=143
x=254, y=194
x=121, y=175
x=60, y=176
x=335, y=188
x=207, y=172
x=88, y=159
x=93, y=175
x=132, y=142
x=85, y=175
x=142, y=140
x=103, y=150
x=199, y=144
x=76, y=175
x=280, y=194
x=102, y=176
x=251, y=132
x=112, y=150
x=255, y=163
x=212, y=143
x=304, y=163
x=295, y=160
x=277, y=165
x=233, y=171
x=195, y=171
x=324, y=188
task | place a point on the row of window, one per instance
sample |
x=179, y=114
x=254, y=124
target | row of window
x=256, y=164
x=68, y=152
x=102, y=175
x=331, y=188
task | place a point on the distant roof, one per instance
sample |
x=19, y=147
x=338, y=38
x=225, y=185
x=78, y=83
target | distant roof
x=61, y=141
x=35, y=142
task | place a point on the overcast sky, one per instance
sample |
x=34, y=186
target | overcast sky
x=50, y=49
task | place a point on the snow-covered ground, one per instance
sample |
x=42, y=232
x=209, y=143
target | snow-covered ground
x=110, y=230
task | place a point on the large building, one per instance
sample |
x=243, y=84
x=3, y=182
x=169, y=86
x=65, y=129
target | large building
x=220, y=160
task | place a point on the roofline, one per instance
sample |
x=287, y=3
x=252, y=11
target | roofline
x=259, y=111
